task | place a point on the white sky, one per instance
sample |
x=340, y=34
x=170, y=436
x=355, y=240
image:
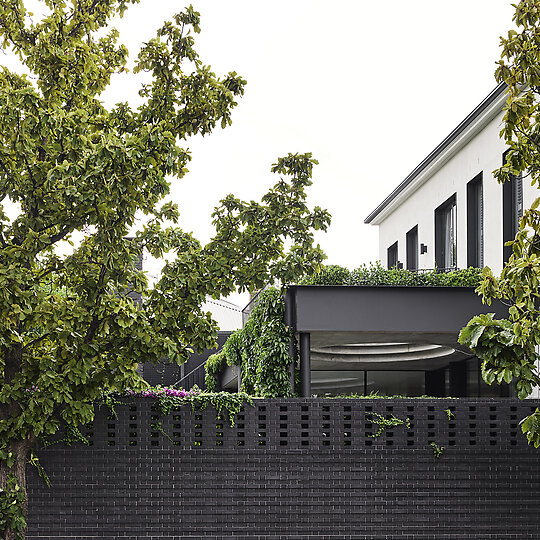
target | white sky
x=370, y=88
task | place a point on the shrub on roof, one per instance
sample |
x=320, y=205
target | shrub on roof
x=375, y=274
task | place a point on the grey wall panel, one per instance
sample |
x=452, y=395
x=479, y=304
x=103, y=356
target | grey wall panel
x=387, y=309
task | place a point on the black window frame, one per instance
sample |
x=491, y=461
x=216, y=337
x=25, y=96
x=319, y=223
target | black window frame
x=440, y=241
x=412, y=248
x=392, y=256
x=475, y=222
x=512, y=203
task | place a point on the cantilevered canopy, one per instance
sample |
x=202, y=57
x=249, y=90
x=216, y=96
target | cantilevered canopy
x=344, y=330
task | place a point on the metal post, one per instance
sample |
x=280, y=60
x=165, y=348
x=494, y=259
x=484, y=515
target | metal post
x=292, y=354
x=305, y=365
x=289, y=320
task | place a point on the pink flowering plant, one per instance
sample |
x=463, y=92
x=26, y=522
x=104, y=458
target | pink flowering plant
x=170, y=398
x=161, y=391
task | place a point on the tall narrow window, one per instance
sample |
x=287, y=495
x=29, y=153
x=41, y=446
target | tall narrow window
x=392, y=255
x=512, y=210
x=445, y=235
x=475, y=223
x=412, y=249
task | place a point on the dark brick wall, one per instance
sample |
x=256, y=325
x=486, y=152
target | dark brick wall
x=303, y=468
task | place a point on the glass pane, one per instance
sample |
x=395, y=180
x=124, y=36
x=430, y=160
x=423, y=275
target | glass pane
x=392, y=383
x=449, y=237
x=337, y=382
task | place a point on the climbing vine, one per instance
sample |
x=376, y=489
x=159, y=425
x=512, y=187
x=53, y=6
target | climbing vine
x=437, y=450
x=214, y=366
x=12, y=501
x=220, y=401
x=260, y=348
x=34, y=461
x=386, y=423
x=449, y=414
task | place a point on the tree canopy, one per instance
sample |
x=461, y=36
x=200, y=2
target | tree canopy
x=80, y=173
x=509, y=347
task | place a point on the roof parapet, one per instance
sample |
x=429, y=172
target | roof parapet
x=492, y=98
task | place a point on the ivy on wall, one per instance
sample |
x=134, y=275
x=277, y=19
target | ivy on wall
x=260, y=348
x=214, y=366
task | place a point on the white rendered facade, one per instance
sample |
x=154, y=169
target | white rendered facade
x=474, y=148
x=227, y=315
x=470, y=153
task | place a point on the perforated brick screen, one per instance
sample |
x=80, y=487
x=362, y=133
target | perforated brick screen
x=298, y=468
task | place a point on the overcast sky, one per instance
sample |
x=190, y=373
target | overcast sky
x=369, y=87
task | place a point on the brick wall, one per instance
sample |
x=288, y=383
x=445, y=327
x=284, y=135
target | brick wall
x=302, y=468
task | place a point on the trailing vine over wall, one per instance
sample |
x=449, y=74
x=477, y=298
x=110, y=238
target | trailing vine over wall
x=437, y=450
x=389, y=422
x=169, y=399
x=260, y=348
x=12, y=500
x=220, y=401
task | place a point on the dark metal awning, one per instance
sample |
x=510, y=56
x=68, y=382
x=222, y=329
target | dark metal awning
x=346, y=328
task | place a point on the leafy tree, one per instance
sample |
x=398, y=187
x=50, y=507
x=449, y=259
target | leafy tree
x=68, y=330
x=509, y=347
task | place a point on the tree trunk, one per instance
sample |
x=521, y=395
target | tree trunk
x=20, y=451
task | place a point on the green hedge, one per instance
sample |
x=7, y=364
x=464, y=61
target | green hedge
x=375, y=274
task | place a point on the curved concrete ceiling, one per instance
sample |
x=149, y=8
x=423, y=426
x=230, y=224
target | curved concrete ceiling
x=378, y=356
x=381, y=352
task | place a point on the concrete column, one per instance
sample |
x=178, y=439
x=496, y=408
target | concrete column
x=458, y=379
x=305, y=365
x=289, y=319
x=436, y=382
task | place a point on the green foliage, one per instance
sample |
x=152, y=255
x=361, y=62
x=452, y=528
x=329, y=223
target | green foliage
x=331, y=274
x=505, y=357
x=375, y=395
x=12, y=518
x=260, y=348
x=384, y=423
x=508, y=347
x=82, y=173
x=437, y=450
x=449, y=414
x=376, y=275
x=7, y=456
x=34, y=461
x=222, y=401
x=214, y=366
x=198, y=400
x=531, y=427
